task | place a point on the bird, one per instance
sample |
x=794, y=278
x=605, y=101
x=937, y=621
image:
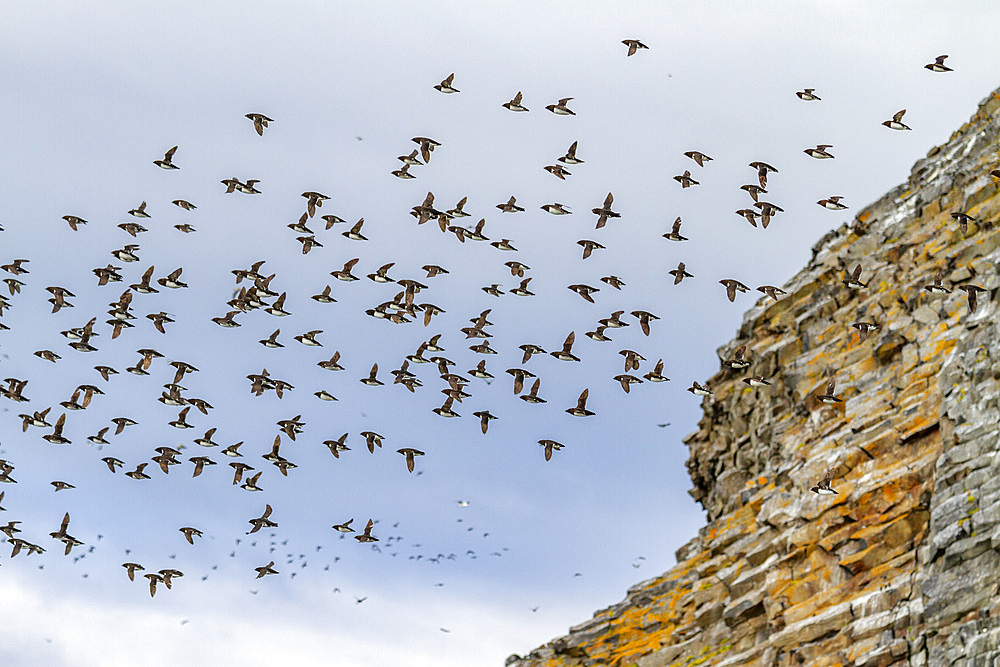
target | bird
x=56, y=437
x=558, y=171
x=680, y=273
x=699, y=390
x=614, y=321
x=260, y=121
x=510, y=206
x=367, y=536
x=371, y=380
x=272, y=340
x=227, y=321
x=644, y=318
x=614, y=281
x=972, y=291
x=484, y=419
x=309, y=338
x=166, y=162
x=522, y=289
x=820, y=152
x=372, y=440
x=632, y=359
x=685, y=179
x=403, y=172
x=139, y=211
x=427, y=146
x=938, y=65
x=313, y=201
x=354, y=233
x=864, y=328
x=549, y=447
x=153, y=579
x=560, y=109
x=74, y=221
x=832, y=203
x=65, y=537
x=130, y=568
x=570, y=157
x=199, y=464
x=937, y=287
x=566, y=353
x=763, y=169
x=532, y=396
x=750, y=215
x=767, y=209
x=604, y=212
x=823, y=487
x=503, y=244
x=344, y=527
x=446, y=85
x=519, y=375
x=829, y=397
x=963, y=221
x=733, y=286
x=808, y=94
x=263, y=521
x=656, y=375
x=99, y=438
x=113, y=463
x=699, y=158
x=896, y=123
x=757, y=381
x=265, y=570
x=446, y=408
x=138, y=473
x=675, y=232
x=190, y=533
x=206, y=440
x=409, y=453
x=515, y=103
x=633, y=46
x=589, y=247
x=738, y=360
x=771, y=291
x=459, y=212
x=173, y=280
x=753, y=190
x=581, y=406
x=854, y=280
x=585, y=291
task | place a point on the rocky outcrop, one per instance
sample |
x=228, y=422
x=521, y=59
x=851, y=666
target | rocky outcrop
x=902, y=567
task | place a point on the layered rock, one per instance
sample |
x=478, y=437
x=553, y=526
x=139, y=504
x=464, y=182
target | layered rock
x=902, y=566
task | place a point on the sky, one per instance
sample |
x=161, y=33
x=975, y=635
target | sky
x=94, y=93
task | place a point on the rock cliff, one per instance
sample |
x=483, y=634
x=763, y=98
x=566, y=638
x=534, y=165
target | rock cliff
x=902, y=566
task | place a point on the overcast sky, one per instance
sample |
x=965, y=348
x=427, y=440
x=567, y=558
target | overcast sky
x=93, y=93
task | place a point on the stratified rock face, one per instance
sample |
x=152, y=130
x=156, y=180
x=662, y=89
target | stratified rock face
x=902, y=566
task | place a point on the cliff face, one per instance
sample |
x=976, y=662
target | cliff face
x=903, y=565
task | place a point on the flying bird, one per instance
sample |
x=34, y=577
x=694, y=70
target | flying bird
x=633, y=46
x=260, y=121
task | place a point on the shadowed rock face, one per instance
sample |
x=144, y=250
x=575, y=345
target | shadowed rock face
x=902, y=567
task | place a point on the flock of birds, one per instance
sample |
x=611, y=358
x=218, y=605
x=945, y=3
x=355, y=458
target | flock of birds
x=256, y=290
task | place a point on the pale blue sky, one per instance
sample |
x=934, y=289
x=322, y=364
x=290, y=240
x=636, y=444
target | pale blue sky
x=93, y=94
